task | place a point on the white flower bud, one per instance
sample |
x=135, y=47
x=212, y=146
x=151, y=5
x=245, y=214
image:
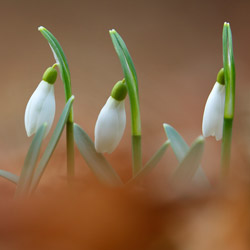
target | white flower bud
x=40, y=108
x=110, y=125
x=213, y=116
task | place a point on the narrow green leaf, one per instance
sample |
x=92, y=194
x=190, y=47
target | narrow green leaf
x=187, y=168
x=127, y=56
x=60, y=56
x=152, y=162
x=96, y=161
x=30, y=161
x=157, y=156
x=229, y=71
x=178, y=144
x=9, y=176
x=65, y=75
x=132, y=86
x=52, y=144
x=180, y=149
x=229, y=76
x=130, y=79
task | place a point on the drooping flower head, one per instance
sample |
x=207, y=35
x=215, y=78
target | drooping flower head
x=41, y=105
x=213, y=116
x=111, y=122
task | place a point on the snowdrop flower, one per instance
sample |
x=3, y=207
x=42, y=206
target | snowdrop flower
x=111, y=122
x=213, y=116
x=41, y=105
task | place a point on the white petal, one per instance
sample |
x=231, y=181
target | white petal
x=110, y=126
x=40, y=108
x=212, y=124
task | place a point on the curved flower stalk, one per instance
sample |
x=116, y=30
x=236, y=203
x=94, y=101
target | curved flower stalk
x=229, y=66
x=213, y=116
x=65, y=75
x=41, y=106
x=111, y=122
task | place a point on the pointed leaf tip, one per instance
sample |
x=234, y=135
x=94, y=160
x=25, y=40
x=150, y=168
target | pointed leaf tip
x=112, y=31
x=41, y=28
x=167, y=128
x=178, y=144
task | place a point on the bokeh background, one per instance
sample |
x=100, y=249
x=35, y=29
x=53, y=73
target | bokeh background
x=176, y=46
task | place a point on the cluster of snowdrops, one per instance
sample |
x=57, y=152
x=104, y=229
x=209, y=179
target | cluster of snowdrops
x=111, y=122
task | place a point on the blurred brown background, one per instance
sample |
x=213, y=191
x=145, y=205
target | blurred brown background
x=176, y=48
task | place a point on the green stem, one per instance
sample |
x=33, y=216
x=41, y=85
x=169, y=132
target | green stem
x=70, y=150
x=62, y=63
x=132, y=86
x=229, y=76
x=226, y=147
x=136, y=146
x=70, y=140
x=136, y=132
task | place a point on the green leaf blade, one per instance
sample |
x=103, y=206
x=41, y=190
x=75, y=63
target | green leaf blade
x=229, y=75
x=30, y=161
x=127, y=56
x=132, y=87
x=180, y=148
x=229, y=71
x=131, y=80
x=63, y=64
x=9, y=176
x=96, y=161
x=189, y=165
x=178, y=144
x=154, y=160
x=52, y=144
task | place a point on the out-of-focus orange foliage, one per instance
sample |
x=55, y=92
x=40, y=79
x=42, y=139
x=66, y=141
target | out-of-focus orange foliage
x=91, y=216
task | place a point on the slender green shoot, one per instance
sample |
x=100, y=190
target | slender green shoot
x=229, y=76
x=132, y=85
x=65, y=75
